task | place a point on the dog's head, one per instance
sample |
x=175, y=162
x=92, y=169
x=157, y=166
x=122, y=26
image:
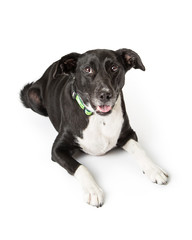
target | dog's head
x=100, y=75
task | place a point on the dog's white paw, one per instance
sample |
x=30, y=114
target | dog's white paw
x=94, y=196
x=156, y=174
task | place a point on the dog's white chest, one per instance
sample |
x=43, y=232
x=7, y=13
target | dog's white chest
x=102, y=132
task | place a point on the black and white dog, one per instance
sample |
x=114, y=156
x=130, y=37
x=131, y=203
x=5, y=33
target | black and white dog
x=82, y=95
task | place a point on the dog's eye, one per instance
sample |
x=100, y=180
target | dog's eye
x=88, y=70
x=114, y=68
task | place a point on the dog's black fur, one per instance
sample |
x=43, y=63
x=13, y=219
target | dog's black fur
x=51, y=96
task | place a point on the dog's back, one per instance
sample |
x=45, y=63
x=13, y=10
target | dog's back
x=32, y=94
x=44, y=96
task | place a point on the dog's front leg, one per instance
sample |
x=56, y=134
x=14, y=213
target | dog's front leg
x=61, y=154
x=155, y=173
x=93, y=194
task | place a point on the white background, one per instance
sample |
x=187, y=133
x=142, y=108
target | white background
x=39, y=200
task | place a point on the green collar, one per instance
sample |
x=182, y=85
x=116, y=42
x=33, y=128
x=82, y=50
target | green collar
x=81, y=103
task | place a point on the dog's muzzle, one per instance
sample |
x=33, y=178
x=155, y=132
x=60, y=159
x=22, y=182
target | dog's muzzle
x=104, y=101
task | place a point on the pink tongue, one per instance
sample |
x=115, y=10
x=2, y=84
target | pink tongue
x=104, y=108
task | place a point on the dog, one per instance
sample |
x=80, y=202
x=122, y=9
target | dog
x=82, y=96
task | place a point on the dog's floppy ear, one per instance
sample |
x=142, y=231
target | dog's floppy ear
x=66, y=64
x=130, y=59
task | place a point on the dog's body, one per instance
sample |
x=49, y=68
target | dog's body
x=82, y=95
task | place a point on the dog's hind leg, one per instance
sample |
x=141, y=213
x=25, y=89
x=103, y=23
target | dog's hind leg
x=31, y=97
x=155, y=173
x=62, y=153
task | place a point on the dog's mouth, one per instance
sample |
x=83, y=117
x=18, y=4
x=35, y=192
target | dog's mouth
x=103, y=109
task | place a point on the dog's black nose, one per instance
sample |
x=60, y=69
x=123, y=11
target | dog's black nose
x=105, y=96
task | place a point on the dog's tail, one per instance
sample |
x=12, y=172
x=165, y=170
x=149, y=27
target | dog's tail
x=31, y=98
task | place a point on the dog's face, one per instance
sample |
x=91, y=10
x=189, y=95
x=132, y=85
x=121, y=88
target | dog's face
x=100, y=75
